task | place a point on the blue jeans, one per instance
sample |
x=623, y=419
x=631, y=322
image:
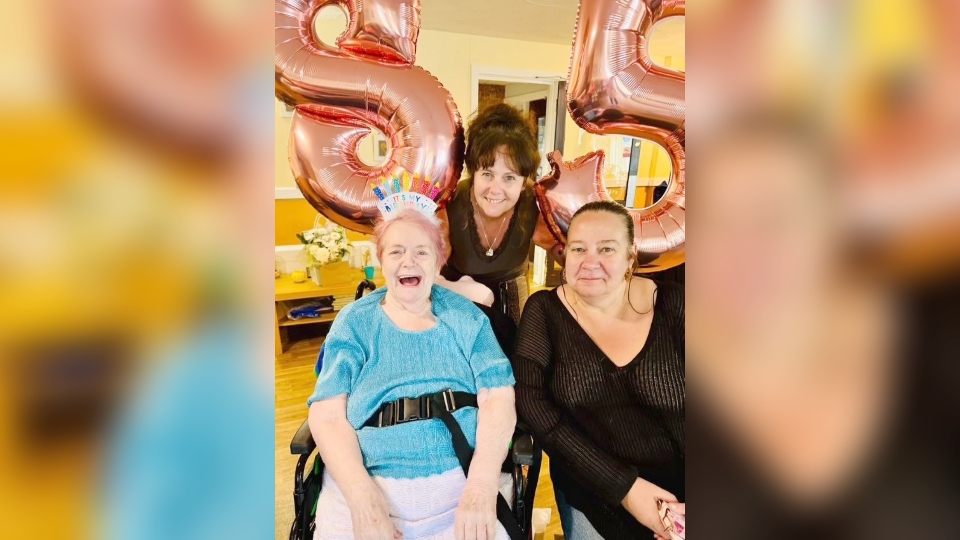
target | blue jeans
x=575, y=525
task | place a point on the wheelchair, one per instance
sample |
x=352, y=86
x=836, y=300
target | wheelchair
x=523, y=459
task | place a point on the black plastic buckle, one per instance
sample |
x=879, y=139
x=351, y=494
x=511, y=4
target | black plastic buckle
x=409, y=409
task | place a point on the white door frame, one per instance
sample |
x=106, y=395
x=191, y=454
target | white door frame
x=494, y=73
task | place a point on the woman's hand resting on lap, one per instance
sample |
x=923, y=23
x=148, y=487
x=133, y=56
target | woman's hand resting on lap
x=476, y=517
x=371, y=516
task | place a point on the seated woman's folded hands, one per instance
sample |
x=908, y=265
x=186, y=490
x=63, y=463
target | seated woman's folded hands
x=370, y=514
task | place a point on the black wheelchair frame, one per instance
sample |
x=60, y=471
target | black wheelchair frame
x=523, y=462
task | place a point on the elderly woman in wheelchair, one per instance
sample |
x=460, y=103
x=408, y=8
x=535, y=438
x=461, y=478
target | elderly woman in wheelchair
x=406, y=370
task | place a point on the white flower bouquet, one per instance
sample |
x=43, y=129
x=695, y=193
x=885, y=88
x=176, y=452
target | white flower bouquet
x=325, y=245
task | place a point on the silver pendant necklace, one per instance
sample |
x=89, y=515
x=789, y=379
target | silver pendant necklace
x=489, y=252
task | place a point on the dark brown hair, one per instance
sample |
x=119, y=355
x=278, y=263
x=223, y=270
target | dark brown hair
x=497, y=128
x=610, y=207
x=501, y=126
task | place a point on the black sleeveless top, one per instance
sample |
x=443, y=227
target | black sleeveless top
x=509, y=259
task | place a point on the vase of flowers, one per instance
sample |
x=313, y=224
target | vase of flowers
x=324, y=246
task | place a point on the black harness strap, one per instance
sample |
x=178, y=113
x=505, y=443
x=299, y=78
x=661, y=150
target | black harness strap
x=465, y=455
x=419, y=408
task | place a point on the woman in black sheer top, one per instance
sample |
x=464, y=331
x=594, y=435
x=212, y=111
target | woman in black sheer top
x=600, y=382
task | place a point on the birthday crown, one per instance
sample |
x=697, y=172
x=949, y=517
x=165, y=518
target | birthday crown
x=400, y=193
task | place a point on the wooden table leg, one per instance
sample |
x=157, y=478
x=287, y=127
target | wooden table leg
x=278, y=339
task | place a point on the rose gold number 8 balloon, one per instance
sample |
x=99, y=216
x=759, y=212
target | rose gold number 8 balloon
x=614, y=88
x=340, y=93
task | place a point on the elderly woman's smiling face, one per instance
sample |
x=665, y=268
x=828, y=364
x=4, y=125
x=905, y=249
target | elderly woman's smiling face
x=409, y=262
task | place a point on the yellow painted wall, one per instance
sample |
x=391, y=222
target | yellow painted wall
x=292, y=216
x=296, y=215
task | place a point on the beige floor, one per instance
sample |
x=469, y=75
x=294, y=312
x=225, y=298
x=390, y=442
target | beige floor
x=294, y=383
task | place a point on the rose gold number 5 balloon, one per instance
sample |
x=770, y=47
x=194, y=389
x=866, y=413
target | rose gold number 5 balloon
x=368, y=80
x=615, y=89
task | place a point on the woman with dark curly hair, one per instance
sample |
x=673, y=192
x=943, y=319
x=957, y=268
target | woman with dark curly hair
x=493, y=213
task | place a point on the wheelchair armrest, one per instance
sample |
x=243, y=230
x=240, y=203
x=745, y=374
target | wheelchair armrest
x=302, y=443
x=522, y=449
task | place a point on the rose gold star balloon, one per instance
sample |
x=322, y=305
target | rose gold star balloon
x=570, y=185
x=614, y=88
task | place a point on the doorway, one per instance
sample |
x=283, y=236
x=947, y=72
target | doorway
x=530, y=93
